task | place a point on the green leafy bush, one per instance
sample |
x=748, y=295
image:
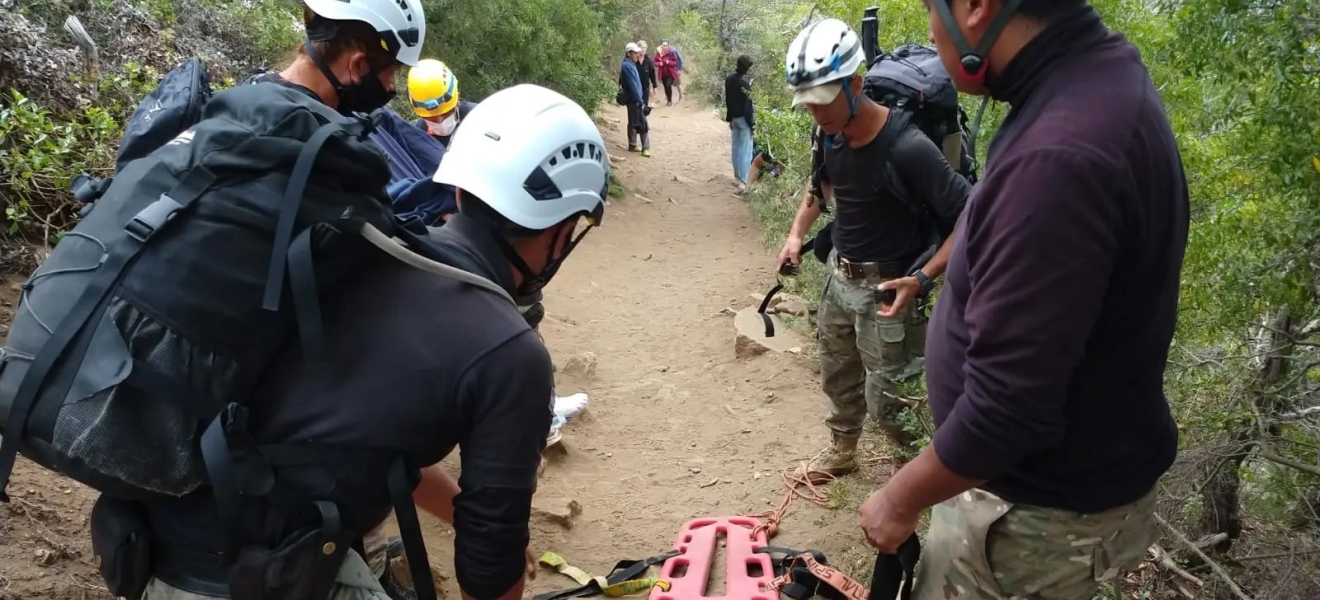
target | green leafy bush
x=40, y=151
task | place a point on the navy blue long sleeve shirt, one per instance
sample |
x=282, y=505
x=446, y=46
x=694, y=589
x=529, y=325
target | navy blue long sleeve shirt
x=1047, y=346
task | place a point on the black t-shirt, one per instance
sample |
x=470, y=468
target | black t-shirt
x=876, y=188
x=417, y=364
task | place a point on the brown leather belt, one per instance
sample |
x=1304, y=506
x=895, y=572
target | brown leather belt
x=862, y=270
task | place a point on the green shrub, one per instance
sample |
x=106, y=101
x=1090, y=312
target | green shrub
x=41, y=152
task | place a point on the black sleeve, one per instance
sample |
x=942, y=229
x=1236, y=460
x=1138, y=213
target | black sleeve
x=749, y=109
x=504, y=400
x=930, y=177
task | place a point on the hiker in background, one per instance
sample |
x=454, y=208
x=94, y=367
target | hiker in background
x=678, y=71
x=631, y=84
x=666, y=64
x=867, y=336
x=440, y=109
x=646, y=68
x=763, y=162
x=741, y=116
x=1051, y=336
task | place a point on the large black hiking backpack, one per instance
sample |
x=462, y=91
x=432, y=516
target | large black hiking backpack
x=912, y=78
x=167, y=303
x=135, y=347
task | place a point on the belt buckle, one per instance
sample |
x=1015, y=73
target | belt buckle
x=848, y=269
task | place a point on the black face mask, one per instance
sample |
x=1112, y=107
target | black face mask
x=364, y=96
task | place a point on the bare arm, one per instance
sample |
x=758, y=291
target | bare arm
x=808, y=212
x=435, y=494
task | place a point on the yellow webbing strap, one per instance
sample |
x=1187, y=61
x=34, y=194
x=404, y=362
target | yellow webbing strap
x=618, y=590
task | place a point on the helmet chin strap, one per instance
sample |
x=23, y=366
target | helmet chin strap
x=552, y=264
x=320, y=64
x=838, y=139
x=973, y=61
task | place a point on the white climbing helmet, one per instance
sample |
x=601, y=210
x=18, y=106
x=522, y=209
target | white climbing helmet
x=400, y=23
x=826, y=52
x=532, y=155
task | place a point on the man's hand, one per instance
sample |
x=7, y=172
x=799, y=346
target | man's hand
x=905, y=289
x=886, y=527
x=792, y=252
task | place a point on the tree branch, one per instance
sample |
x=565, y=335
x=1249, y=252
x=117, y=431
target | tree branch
x=1266, y=454
x=1178, y=535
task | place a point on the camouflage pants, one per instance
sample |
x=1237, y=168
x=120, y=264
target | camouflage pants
x=355, y=581
x=864, y=356
x=981, y=547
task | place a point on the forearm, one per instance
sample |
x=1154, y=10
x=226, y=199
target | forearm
x=435, y=494
x=940, y=261
x=925, y=482
x=806, y=216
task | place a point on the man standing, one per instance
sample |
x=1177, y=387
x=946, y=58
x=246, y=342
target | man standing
x=895, y=196
x=631, y=84
x=741, y=115
x=646, y=68
x=1049, y=344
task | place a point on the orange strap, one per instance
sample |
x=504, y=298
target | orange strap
x=827, y=575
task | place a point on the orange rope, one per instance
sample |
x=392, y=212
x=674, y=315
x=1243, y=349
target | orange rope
x=796, y=479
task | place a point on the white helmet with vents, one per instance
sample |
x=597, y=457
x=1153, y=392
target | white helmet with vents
x=400, y=23
x=827, y=51
x=532, y=155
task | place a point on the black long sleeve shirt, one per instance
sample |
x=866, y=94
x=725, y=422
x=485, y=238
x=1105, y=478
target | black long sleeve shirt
x=1047, y=347
x=738, y=99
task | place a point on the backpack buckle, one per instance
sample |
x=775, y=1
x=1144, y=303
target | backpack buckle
x=152, y=218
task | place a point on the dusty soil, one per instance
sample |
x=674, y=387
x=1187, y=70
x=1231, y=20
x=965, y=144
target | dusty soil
x=676, y=427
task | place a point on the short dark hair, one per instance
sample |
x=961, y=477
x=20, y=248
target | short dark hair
x=744, y=64
x=346, y=36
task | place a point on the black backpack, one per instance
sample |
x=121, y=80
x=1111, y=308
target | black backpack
x=175, y=105
x=912, y=78
x=135, y=346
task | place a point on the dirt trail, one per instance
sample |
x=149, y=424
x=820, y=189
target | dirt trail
x=676, y=427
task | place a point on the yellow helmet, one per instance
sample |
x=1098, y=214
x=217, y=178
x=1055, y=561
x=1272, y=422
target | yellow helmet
x=432, y=88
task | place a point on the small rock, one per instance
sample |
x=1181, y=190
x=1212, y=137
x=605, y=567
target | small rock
x=751, y=339
x=746, y=347
x=582, y=365
x=643, y=198
x=682, y=179
x=758, y=298
x=792, y=305
x=795, y=350
x=695, y=470
x=560, y=511
x=45, y=557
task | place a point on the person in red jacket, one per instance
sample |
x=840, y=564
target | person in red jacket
x=666, y=66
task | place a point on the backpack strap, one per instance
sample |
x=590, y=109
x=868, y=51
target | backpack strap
x=73, y=334
x=403, y=479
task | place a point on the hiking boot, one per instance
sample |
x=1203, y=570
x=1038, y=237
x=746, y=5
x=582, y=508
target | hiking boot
x=839, y=459
x=646, y=153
